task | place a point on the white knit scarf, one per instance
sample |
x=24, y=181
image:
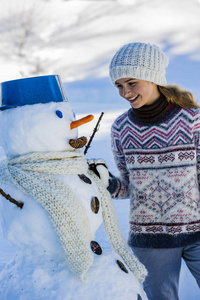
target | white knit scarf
x=35, y=175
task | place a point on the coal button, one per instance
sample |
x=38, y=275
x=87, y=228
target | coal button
x=85, y=178
x=95, y=247
x=122, y=266
x=95, y=205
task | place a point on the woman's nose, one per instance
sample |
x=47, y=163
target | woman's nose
x=126, y=91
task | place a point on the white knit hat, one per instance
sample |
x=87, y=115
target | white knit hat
x=141, y=61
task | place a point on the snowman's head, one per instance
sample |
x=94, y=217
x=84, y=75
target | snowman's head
x=40, y=127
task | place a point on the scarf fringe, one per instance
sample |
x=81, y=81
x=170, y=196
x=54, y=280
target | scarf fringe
x=116, y=238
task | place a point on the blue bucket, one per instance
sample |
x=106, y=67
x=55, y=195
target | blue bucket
x=32, y=90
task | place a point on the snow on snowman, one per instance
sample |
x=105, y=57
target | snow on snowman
x=56, y=204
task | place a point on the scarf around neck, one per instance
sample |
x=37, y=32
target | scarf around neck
x=35, y=175
x=150, y=113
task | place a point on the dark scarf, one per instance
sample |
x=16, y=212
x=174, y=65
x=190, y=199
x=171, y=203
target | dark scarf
x=148, y=113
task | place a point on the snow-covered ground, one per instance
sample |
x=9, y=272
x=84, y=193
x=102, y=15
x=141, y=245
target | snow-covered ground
x=76, y=39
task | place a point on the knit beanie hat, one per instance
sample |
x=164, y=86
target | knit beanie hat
x=141, y=61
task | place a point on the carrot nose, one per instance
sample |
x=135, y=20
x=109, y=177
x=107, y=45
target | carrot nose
x=81, y=121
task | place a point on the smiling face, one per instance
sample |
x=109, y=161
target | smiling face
x=137, y=92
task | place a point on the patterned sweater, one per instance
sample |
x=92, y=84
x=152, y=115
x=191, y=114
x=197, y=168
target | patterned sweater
x=159, y=166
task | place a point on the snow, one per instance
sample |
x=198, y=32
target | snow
x=76, y=39
x=31, y=128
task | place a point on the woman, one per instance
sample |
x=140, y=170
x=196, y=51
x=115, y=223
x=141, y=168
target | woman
x=156, y=146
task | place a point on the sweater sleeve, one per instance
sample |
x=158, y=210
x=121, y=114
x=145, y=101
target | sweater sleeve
x=121, y=182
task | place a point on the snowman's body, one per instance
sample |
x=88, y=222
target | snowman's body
x=40, y=270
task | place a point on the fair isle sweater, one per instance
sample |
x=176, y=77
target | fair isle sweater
x=159, y=166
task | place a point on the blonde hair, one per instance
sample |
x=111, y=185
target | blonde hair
x=177, y=96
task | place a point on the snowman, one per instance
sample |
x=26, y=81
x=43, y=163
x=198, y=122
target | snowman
x=52, y=204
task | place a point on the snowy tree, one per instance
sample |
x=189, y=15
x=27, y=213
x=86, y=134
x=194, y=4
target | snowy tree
x=18, y=20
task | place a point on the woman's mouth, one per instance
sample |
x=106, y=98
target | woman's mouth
x=133, y=99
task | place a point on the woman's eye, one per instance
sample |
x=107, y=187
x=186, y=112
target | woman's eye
x=59, y=114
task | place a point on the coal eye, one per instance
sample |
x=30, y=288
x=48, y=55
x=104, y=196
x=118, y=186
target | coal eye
x=59, y=114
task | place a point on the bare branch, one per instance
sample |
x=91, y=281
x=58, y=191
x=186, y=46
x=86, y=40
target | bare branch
x=93, y=134
x=9, y=198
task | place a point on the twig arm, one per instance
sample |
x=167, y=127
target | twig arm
x=9, y=198
x=93, y=134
